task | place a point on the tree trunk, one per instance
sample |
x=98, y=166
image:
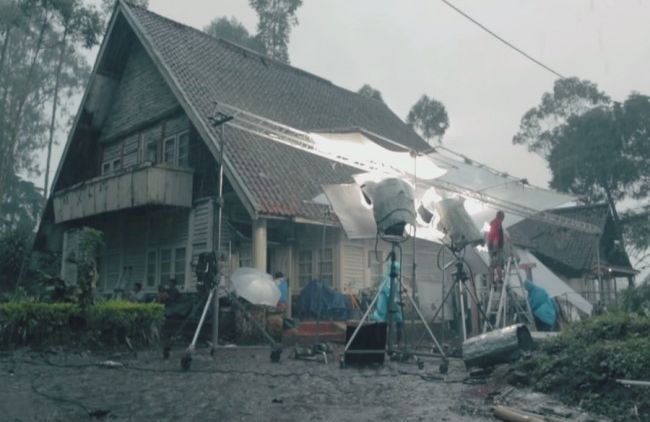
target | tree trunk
x=3, y=59
x=57, y=83
x=6, y=161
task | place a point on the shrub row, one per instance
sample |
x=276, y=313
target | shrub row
x=105, y=324
x=584, y=362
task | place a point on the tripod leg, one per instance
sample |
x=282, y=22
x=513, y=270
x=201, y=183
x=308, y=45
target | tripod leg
x=478, y=305
x=363, y=319
x=461, y=301
x=435, y=315
x=187, y=359
x=426, y=325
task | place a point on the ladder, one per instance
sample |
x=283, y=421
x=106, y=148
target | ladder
x=502, y=295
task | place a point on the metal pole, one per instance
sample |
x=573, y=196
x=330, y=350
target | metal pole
x=215, y=308
x=461, y=301
x=600, y=280
x=198, y=328
x=444, y=277
x=391, y=297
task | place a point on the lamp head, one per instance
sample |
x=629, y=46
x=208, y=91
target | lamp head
x=457, y=225
x=392, y=205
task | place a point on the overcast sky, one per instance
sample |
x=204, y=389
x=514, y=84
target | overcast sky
x=408, y=48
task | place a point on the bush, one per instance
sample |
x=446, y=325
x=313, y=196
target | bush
x=636, y=299
x=584, y=362
x=105, y=324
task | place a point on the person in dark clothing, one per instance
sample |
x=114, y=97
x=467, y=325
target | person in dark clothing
x=495, y=245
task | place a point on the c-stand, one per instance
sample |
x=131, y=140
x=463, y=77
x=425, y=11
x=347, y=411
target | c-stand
x=460, y=278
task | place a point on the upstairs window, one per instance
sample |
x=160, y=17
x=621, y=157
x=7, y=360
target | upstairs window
x=176, y=150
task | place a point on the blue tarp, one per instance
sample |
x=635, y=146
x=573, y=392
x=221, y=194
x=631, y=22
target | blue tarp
x=381, y=307
x=333, y=305
x=541, y=303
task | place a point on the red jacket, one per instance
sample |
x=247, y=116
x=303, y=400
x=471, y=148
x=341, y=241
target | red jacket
x=495, y=236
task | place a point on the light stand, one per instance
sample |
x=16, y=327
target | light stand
x=444, y=366
x=207, y=275
x=460, y=278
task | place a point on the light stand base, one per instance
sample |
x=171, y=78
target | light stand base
x=186, y=360
x=403, y=352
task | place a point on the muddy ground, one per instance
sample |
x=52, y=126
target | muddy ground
x=239, y=385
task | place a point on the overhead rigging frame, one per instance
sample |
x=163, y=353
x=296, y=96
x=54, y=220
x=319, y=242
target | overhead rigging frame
x=278, y=132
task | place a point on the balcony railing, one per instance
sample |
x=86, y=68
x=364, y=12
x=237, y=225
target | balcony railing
x=143, y=185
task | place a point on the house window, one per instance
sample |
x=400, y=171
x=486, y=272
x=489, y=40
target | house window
x=176, y=150
x=304, y=268
x=164, y=264
x=326, y=269
x=151, y=151
x=179, y=266
x=183, y=149
x=169, y=150
x=151, y=268
x=111, y=166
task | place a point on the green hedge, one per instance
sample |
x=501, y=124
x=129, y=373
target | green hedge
x=106, y=324
x=583, y=363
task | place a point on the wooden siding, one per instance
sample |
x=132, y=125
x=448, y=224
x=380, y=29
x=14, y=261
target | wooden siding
x=146, y=185
x=353, y=274
x=142, y=95
x=201, y=232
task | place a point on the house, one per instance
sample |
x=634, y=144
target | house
x=577, y=257
x=142, y=160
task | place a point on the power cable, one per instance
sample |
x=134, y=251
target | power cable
x=504, y=41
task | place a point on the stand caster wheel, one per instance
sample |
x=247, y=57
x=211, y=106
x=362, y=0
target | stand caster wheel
x=420, y=364
x=166, y=352
x=186, y=362
x=275, y=355
x=342, y=362
x=444, y=367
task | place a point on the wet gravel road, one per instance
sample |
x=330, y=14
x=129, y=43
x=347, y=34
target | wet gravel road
x=234, y=385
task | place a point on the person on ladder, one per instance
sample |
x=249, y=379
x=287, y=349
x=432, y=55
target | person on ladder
x=495, y=245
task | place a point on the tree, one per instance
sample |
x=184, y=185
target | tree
x=232, y=30
x=370, y=92
x=24, y=85
x=21, y=207
x=108, y=5
x=570, y=97
x=428, y=117
x=79, y=26
x=590, y=158
x=276, y=19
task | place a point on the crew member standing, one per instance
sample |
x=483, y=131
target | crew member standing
x=495, y=246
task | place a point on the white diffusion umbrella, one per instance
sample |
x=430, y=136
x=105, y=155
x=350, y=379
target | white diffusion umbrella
x=255, y=286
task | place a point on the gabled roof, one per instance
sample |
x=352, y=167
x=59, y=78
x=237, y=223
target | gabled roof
x=270, y=178
x=572, y=252
x=276, y=179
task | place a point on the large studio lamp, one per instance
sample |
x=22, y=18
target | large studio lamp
x=393, y=206
x=456, y=224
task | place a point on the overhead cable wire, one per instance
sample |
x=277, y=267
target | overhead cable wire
x=503, y=40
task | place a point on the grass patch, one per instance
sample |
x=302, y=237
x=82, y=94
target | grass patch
x=104, y=324
x=582, y=364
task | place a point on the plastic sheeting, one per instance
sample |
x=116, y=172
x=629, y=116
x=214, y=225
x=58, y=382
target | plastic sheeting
x=318, y=300
x=553, y=285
